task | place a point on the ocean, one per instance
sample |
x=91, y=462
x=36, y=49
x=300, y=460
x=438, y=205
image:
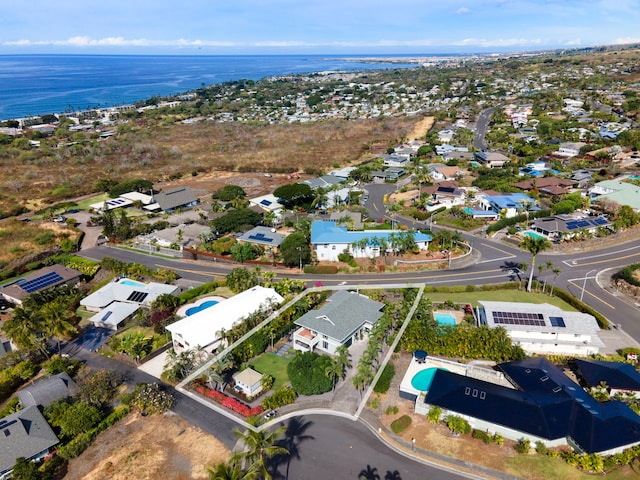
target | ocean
x=33, y=85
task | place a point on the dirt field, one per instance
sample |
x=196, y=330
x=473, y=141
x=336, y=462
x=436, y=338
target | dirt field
x=158, y=446
x=421, y=128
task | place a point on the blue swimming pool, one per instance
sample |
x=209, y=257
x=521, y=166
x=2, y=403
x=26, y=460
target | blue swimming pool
x=531, y=234
x=444, y=318
x=131, y=283
x=422, y=380
x=199, y=308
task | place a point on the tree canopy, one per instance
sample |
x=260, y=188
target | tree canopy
x=295, y=194
x=228, y=193
x=307, y=373
x=295, y=249
x=234, y=220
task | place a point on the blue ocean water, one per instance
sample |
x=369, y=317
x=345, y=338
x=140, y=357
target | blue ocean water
x=40, y=84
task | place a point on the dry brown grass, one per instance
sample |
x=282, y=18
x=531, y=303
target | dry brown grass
x=153, y=447
x=161, y=153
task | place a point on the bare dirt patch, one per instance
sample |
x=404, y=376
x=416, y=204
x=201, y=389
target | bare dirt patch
x=158, y=446
x=421, y=128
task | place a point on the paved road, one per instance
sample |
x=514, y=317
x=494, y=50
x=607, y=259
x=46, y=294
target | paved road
x=341, y=449
x=482, y=125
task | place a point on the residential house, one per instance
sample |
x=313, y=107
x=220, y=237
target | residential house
x=343, y=174
x=26, y=434
x=543, y=328
x=582, y=177
x=268, y=203
x=390, y=174
x=444, y=194
x=446, y=135
x=263, y=236
x=395, y=160
x=618, y=378
x=39, y=281
x=440, y=172
x=205, y=329
x=248, y=381
x=569, y=149
x=329, y=240
x=326, y=181
x=506, y=204
x=490, y=159
x=46, y=390
x=344, y=319
x=618, y=191
x=352, y=219
x=548, y=185
x=545, y=406
x=568, y=225
x=119, y=300
x=448, y=149
x=111, y=204
x=173, y=199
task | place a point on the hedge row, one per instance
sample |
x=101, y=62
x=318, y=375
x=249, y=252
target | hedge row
x=508, y=222
x=321, y=269
x=384, y=382
x=627, y=272
x=192, y=293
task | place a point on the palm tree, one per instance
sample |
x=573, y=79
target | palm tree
x=343, y=358
x=534, y=245
x=556, y=271
x=231, y=471
x=259, y=447
x=333, y=371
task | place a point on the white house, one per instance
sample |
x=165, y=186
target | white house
x=343, y=320
x=205, y=328
x=329, y=240
x=570, y=149
x=248, y=381
x=543, y=328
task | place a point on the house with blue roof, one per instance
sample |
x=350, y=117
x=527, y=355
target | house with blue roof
x=544, y=405
x=329, y=240
x=619, y=378
x=507, y=204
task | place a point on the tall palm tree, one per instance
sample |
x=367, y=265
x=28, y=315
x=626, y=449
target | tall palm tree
x=333, y=371
x=259, y=448
x=534, y=245
x=343, y=358
x=231, y=471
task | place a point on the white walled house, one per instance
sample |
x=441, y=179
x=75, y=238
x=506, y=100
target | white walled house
x=205, y=328
x=248, y=381
x=343, y=320
x=543, y=328
x=329, y=240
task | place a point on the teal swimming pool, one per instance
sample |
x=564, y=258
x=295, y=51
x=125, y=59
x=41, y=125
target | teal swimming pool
x=531, y=234
x=131, y=283
x=444, y=318
x=202, y=306
x=422, y=380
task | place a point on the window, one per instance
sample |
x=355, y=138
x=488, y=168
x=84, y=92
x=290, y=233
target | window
x=325, y=344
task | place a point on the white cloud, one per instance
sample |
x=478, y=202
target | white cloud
x=463, y=11
x=499, y=42
x=625, y=41
x=574, y=42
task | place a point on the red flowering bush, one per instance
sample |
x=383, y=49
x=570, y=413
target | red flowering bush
x=228, y=402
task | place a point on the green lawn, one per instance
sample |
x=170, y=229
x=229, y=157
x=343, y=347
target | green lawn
x=500, y=296
x=272, y=364
x=539, y=467
x=84, y=204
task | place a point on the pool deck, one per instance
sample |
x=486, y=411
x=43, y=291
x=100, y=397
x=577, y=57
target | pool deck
x=182, y=311
x=430, y=362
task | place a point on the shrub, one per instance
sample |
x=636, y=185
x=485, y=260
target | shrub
x=284, y=396
x=321, y=269
x=523, y=445
x=399, y=425
x=391, y=410
x=435, y=412
x=384, y=382
x=627, y=274
x=307, y=373
x=481, y=435
x=457, y=425
x=150, y=398
x=541, y=448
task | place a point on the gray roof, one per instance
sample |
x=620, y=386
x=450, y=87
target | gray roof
x=24, y=434
x=45, y=390
x=175, y=198
x=343, y=314
x=325, y=181
x=262, y=236
x=40, y=280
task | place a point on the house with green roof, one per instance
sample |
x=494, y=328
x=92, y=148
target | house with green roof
x=345, y=318
x=619, y=191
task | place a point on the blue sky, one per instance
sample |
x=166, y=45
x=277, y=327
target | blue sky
x=313, y=26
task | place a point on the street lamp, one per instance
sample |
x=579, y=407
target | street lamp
x=584, y=284
x=413, y=444
x=299, y=248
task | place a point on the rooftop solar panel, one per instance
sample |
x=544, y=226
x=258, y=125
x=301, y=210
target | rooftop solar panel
x=260, y=238
x=557, y=321
x=518, y=318
x=266, y=203
x=41, y=282
x=137, y=297
x=106, y=315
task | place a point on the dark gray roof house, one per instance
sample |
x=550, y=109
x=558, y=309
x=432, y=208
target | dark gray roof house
x=262, y=236
x=40, y=280
x=343, y=319
x=46, y=390
x=174, y=198
x=616, y=375
x=545, y=404
x=24, y=434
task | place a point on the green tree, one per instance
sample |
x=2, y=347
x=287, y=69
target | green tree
x=149, y=397
x=457, y=425
x=231, y=471
x=243, y=251
x=229, y=193
x=235, y=220
x=307, y=373
x=295, y=250
x=294, y=194
x=241, y=279
x=99, y=387
x=25, y=470
x=78, y=418
x=534, y=245
x=258, y=448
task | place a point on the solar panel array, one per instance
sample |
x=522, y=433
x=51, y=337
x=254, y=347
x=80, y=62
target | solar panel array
x=597, y=222
x=265, y=202
x=260, y=237
x=105, y=316
x=41, y=282
x=557, y=321
x=137, y=297
x=116, y=202
x=517, y=318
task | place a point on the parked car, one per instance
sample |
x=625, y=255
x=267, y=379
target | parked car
x=270, y=415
